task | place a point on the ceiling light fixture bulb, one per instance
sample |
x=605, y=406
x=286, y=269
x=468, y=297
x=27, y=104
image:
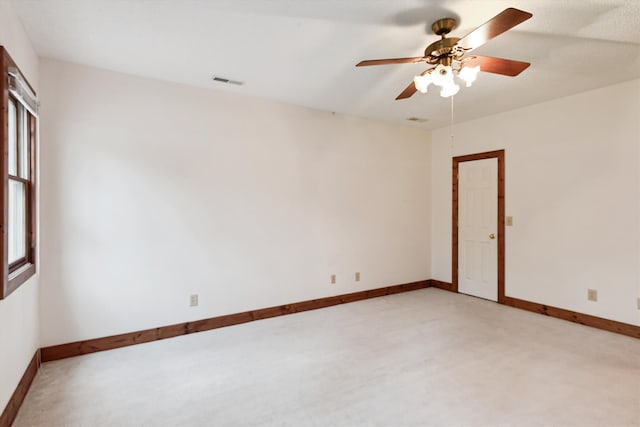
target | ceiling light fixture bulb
x=442, y=75
x=422, y=82
x=449, y=90
x=469, y=74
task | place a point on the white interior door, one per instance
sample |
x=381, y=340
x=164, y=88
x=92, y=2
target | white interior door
x=478, y=228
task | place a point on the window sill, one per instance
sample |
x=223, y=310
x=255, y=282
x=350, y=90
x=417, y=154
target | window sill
x=18, y=277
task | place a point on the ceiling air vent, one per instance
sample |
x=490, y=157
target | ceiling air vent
x=417, y=119
x=225, y=80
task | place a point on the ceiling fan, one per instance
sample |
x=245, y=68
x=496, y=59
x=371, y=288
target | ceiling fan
x=449, y=55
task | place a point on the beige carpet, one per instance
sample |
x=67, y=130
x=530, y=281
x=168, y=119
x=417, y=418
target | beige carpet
x=420, y=358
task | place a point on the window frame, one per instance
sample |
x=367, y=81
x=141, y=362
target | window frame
x=18, y=272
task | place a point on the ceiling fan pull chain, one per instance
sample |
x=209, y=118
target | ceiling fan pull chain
x=451, y=128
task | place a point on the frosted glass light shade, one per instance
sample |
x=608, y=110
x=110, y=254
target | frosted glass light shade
x=469, y=74
x=442, y=75
x=422, y=82
x=449, y=90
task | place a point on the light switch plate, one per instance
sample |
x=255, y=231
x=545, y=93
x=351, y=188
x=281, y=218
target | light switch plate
x=509, y=221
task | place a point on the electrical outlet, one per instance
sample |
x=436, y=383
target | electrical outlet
x=357, y=276
x=638, y=303
x=193, y=300
x=592, y=295
x=333, y=279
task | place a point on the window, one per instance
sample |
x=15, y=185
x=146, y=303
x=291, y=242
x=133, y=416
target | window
x=17, y=195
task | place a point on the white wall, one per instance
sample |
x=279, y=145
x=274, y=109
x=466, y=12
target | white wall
x=573, y=188
x=153, y=191
x=19, y=311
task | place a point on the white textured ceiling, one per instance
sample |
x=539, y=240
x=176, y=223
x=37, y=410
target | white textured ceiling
x=303, y=52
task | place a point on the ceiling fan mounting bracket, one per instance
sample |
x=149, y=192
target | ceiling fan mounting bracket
x=443, y=26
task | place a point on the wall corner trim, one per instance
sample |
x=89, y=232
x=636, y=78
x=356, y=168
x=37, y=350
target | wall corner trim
x=442, y=285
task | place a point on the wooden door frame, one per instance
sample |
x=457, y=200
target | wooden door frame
x=499, y=154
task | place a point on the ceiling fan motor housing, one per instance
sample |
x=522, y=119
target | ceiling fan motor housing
x=444, y=48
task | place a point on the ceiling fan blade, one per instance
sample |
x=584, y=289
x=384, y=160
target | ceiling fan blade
x=488, y=64
x=497, y=25
x=411, y=89
x=408, y=92
x=389, y=61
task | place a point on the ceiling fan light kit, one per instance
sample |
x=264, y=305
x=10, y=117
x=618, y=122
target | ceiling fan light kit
x=442, y=76
x=449, y=60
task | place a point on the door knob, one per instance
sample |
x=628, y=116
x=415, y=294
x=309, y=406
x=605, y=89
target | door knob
x=492, y=236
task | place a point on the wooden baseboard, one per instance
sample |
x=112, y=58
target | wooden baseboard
x=573, y=316
x=78, y=348
x=441, y=285
x=560, y=313
x=62, y=351
x=11, y=410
